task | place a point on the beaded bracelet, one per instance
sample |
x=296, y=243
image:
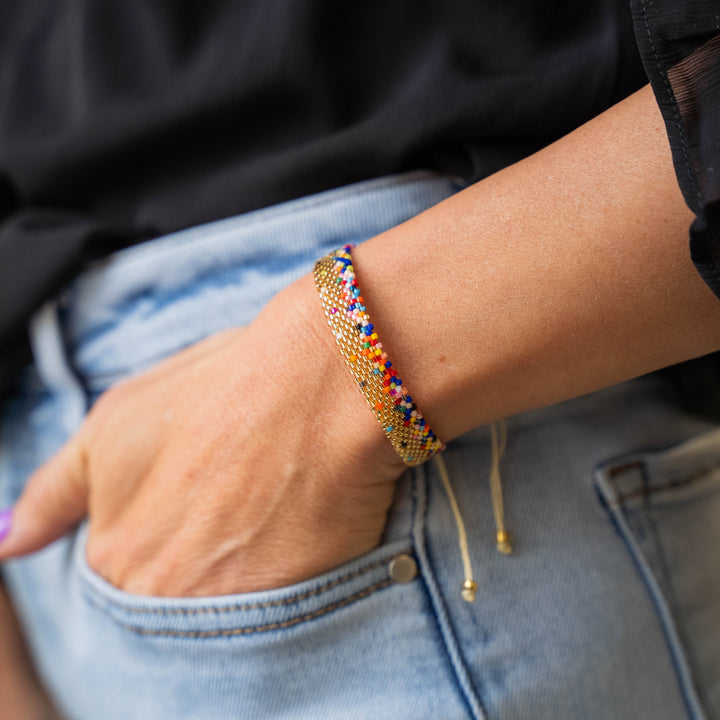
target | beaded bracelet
x=347, y=316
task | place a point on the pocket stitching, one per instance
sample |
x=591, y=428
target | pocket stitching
x=237, y=607
x=648, y=490
x=280, y=625
x=662, y=597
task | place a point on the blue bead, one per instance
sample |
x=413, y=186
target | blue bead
x=388, y=364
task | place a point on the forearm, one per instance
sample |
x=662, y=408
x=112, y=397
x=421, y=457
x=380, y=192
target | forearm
x=564, y=273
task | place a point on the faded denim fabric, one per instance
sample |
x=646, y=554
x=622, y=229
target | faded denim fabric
x=608, y=608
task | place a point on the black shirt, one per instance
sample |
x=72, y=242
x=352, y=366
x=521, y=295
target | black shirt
x=124, y=121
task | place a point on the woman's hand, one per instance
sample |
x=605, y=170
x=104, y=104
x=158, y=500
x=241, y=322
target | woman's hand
x=246, y=462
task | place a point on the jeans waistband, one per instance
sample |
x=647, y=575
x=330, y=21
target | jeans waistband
x=150, y=300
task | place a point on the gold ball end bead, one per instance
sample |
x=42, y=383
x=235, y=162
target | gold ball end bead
x=503, y=542
x=345, y=311
x=469, y=589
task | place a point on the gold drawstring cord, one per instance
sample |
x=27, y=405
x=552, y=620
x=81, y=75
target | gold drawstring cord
x=498, y=450
x=499, y=442
x=469, y=587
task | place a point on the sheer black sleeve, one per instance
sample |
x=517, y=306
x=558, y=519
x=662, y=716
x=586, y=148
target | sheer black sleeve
x=679, y=42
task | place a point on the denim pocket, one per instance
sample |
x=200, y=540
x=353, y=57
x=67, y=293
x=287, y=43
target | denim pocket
x=360, y=641
x=665, y=505
x=247, y=613
x=262, y=612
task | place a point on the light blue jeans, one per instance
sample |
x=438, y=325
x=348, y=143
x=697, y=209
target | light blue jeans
x=609, y=608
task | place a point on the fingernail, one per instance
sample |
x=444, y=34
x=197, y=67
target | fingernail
x=5, y=523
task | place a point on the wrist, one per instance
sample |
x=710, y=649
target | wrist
x=338, y=403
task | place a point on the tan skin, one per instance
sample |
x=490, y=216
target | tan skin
x=251, y=461
x=21, y=697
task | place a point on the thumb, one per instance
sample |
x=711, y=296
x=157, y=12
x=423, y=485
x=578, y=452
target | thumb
x=54, y=499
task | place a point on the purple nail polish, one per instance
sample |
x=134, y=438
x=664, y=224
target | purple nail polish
x=5, y=523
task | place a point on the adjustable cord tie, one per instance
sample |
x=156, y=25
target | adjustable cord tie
x=503, y=544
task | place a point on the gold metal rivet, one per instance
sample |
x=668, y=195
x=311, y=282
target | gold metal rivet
x=403, y=568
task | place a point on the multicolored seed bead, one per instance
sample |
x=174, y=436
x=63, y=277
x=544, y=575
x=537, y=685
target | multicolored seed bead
x=375, y=374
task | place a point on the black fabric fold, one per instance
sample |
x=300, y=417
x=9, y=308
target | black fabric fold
x=153, y=117
x=41, y=250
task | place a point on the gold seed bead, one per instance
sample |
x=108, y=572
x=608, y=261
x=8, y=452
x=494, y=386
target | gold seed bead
x=414, y=442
